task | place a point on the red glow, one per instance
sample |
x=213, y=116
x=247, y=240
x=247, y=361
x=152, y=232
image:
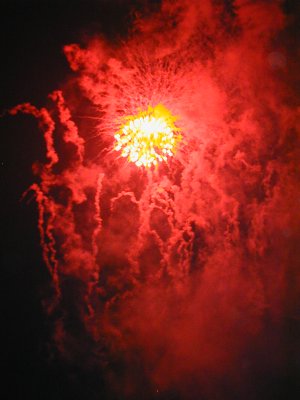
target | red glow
x=181, y=263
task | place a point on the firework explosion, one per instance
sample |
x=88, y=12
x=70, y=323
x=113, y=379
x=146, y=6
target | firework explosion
x=172, y=275
x=148, y=138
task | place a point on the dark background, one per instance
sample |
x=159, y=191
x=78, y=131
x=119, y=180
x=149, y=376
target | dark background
x=32, y=65
x=33, y=34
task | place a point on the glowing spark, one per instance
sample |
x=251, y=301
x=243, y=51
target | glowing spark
x=148, y=137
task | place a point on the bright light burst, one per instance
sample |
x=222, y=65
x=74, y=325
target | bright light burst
x=148, y=137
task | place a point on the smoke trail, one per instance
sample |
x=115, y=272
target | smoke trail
x=178, y=277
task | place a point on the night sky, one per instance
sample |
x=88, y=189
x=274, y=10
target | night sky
x=33, y=64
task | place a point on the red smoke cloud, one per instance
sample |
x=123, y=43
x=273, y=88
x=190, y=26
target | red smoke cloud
x=181, y=277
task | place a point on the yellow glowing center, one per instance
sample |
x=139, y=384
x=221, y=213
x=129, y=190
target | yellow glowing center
x=148, y=137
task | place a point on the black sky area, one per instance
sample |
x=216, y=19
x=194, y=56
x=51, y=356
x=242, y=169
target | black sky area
x=33, y=34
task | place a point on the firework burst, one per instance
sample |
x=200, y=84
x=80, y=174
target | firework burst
x=148, y=137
